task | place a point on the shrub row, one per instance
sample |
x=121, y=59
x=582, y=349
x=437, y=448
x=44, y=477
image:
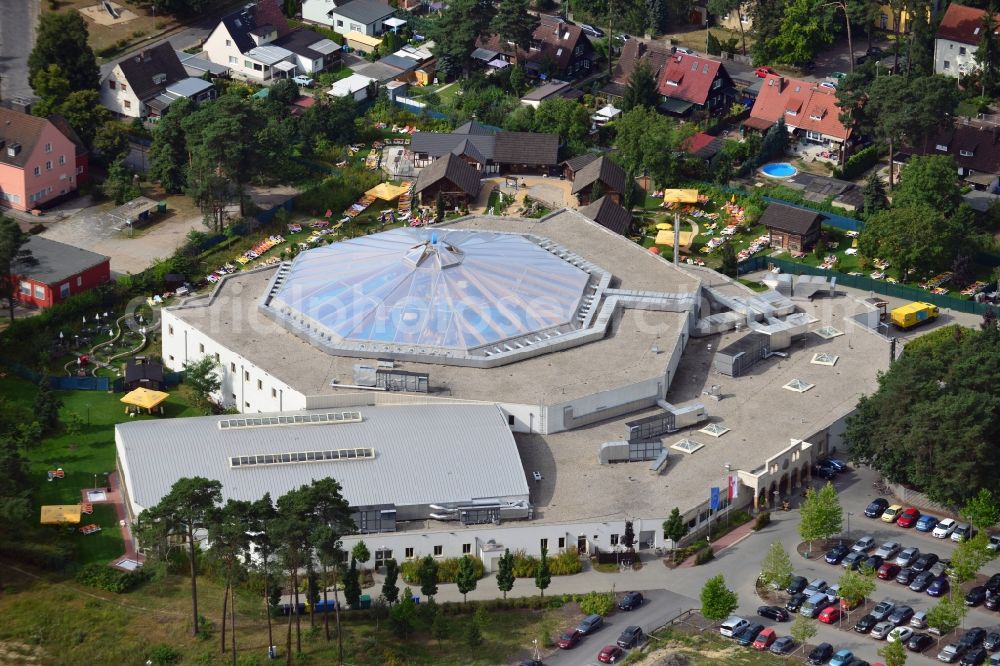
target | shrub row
x=447, y=569
x=599, y=603
x=564, y=563
x=858, y=163
x=762, y=520
x=104, y=577
x=53, y=555
x=704, y=555
x=534, y=602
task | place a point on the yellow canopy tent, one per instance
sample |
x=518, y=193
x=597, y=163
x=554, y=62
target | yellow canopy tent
x=60, y=514
x=666, y=237
x=387, y=191
x=664, y=226
x=143, y=398
x=680, y=196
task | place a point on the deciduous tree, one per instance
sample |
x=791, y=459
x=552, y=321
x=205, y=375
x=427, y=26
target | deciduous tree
x=717, y=600
x=821, y=514
x=930, y=181
x=856, y=586
x=802, y=629
x=893, y=654
x=465, y=577
x=505, y=572
x=61, y=39
x=776, y=569
x=542, y=575
x=15, y=259
x=641, y=88
x=202, y=378
x=674, y=527
x=982, y=511
x=515, y=24
x=948, y=613
x=389, y=588
x=427, y=575
x=969, y=557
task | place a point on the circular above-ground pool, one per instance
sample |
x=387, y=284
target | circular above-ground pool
x=779, y=170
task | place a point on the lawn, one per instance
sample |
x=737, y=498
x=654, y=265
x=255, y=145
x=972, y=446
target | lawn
x=706, y=649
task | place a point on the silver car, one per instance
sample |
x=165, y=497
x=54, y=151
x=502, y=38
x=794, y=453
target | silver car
x=864, y=544
x=888, y=550
x=950, y=653
x=907, y=557
x=882, y=629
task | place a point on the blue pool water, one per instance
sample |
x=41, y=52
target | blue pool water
x=779, y=170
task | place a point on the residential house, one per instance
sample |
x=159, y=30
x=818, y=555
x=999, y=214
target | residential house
x=737, y=21
x=957, y=39
x=975, y=149
x=489, y=150
x=38, y=162
x=609, y=214
x=367, y=17
x=143, y=372
x=558, y=50
x=550, y=90
x=146, y=83
x=256, y=42
x=595, y=177
x=810, y=112
x=694, y=84
x=59, y=271
x=453, y=178
x=634, y=51
x=791, y=229
x=355, y=85
x=900, y=19
x=703, y=146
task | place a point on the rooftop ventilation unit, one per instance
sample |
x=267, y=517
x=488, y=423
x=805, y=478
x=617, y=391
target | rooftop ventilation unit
x=297, y=419
x=331, y=455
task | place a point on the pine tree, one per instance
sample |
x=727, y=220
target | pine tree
x=352, y=586
x=658, y=15
x=874, y=195
x=515, y=24
x=439, y=208
x=389, y=588
x=505, y=572
x=168, y=151
x=641, y=88
x=46, y=406
x=427, y=574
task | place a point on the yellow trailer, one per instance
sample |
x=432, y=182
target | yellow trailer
x=912, y=314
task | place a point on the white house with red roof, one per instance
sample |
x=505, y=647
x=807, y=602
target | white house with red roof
x=810, y=111
x=957, y=40
x=689, y=83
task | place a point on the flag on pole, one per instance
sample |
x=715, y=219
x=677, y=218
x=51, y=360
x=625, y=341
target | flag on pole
x=714, y=502
x=734, y=486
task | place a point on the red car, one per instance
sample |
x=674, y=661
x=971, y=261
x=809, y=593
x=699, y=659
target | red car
x=762, y=72
x=764, y=639
x=909, y=517
x=568, y=639
x=610, y=654
x=888, y=571
x=830, y=614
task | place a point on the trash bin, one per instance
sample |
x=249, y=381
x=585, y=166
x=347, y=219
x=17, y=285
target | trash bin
x=161, y=207
x=365, y=601
x=416, y=599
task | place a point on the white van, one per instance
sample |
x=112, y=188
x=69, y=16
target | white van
x=733, y=626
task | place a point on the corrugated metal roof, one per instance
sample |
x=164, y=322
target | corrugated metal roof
x=268, y=54
x=423, y=454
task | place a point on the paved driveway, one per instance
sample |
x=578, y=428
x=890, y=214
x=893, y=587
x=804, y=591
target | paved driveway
x=17, y=37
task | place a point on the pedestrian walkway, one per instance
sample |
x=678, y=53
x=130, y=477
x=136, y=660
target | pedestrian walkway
x=725, y=541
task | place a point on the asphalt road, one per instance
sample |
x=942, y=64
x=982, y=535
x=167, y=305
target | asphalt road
x=17, y=37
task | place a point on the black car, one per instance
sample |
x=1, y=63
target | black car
x=992, y=602
x=873, y=562
x=836, y=554
x=992, y=641
x=783, y=645
x=972, y=638
x=795, y=602
x=827, y=472
x=919, y=642
x=865, y=624
x=773, y=612
x=631, y=637
x=820, y=654
x=976, y=596
x=925, y=562
x=797, y=584
x=630, y=601
x=874, y=52
x=531, y=662
x=993, y=584
x=921, y=581
x=858, y=662
x=749, y=634
x=973, y=657
x=877, y=508
x=900, y=615
x=905, y=576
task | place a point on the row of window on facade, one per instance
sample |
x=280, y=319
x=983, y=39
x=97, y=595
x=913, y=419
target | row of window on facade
x=40, y=291
x=48, y=165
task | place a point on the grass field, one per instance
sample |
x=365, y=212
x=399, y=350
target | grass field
x=705, y=649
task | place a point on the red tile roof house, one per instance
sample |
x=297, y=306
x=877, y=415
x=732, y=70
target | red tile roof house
x=38, y=163
x=558, y=50
x=61, y=271
x=694, y=84
x=957, y=40
x=810, y=112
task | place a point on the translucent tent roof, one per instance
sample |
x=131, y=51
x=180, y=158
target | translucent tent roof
x=433, y=289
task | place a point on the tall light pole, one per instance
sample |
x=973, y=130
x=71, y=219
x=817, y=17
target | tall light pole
x=729, y=500
x=849, y=514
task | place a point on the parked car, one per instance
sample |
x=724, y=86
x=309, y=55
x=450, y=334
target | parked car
x=921, y=581
x=905, y=576
x=797, y=584
x=925, y=562
x=992, y=641
x=830, y=614
x=836, y=554
x=907, y=556
x=815, y=586
x=992, y=602
x=994, y=543
x=891, y=514
x=820, y=654
x=919, y=642
x=888, y=571
x=610, y=654
x=762, y=72
x=972, y=637
x=832, y=593
x=749, y=634
x=303, y=80
x=873, y=562
x=814, y=605
x=883, y=609
x=832, y=85
x=950, y=653
x=882, y=629
x=630, y=601
x=859, y=662
x=590, y=624
x=888, y=550
x=908, y=517
x=962, y=532
x=685, y=50
x=944, y=528
x=783, y=645
x=568, y=639
x=976, y=595
x=926, y=523
x=591, y=31
x=864, y=544
x=631, y=637
x=938, y=587
x=900, y=615
x=853, y=560
x=842, y=658
x=973, y=657
x=901, y=634
x=877, y=507
x=774, y=612
x=825, y=470
x=732, y=626
x=866, y=623
x=919, y=620
x=940, y=568
x=993, y=584
x=795, y=602
x=995, y=660
x=764, y=639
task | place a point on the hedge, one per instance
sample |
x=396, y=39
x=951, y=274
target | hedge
x=54, y=555
x=113, y=580
x=447, y=569
x=564, y=563
x=858, y=163
x=597, y=603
